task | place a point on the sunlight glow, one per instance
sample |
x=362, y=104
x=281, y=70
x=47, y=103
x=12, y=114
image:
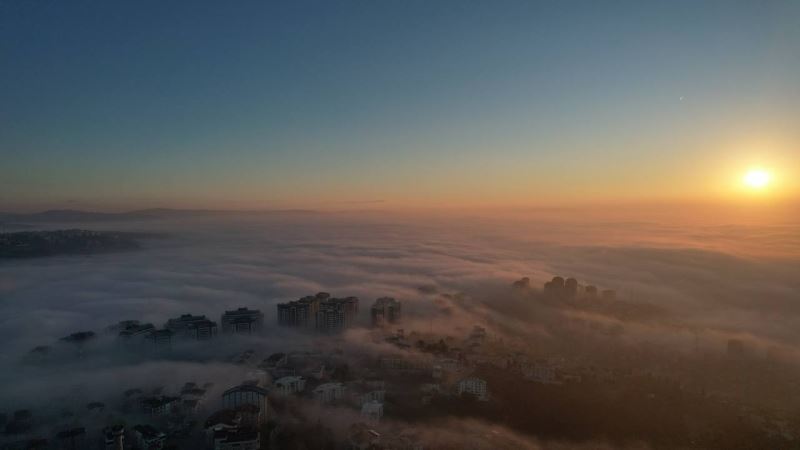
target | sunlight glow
x=756, y=178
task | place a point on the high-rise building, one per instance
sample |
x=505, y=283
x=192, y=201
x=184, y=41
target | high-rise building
x=302, y=312
x=136, y=330
x=242, y=321
x=161, y=339
x=192, y=327
x=384, y=311
x=554, y=287
x=336, y=314
x=203, y=330
x=570, y=287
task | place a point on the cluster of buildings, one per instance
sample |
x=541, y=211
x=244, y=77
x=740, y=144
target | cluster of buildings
x=321, y=312
x=442, y=366
x=327, y=314
x=559, y=287
x=424, y=367
x=187, y=327
x=568, y=288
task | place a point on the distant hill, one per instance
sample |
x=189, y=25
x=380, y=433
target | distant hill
x=31, y=244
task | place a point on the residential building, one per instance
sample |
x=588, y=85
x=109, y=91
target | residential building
x=522, y=283
x=473, y=386
x=250, y=415
x=290, y=385
x=242, y=321
x=554, y=287
x=336, y=314
x=246, y=394
x=192, y=327
x=385, y=311
x=135, y=331
x=161, y=339
x=329, y=392
x=301, y=313
x=571, y=287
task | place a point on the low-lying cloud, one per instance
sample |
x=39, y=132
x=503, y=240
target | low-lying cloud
x=686, y=283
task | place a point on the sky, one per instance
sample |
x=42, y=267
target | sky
x=348, y=105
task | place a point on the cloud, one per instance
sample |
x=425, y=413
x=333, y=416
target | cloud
x=673, y=285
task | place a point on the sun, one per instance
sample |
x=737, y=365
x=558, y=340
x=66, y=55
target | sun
x=756, y=178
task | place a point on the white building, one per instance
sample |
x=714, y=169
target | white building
x=372, y=411
x=329, y=392
x=290, y=385
x=473, y=386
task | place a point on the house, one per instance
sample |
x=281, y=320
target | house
x=329, y=392
x=290, y=385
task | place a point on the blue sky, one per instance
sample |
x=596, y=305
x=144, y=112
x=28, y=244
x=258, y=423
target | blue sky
x=261, y=104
